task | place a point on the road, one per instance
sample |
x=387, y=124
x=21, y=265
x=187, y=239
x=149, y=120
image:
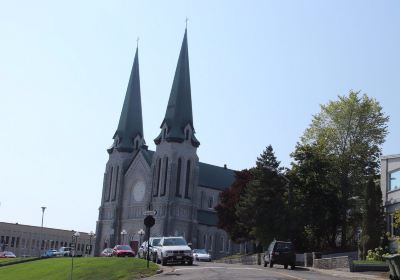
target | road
x=220, y=271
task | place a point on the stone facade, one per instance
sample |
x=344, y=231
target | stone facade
x=170, y=180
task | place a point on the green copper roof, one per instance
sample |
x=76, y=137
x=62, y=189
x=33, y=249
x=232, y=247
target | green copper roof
x=207, y=218
x=130, y=123
x=179, y=111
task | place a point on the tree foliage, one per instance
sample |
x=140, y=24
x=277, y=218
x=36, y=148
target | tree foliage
x=350, y=131
x=372, y=223
x=316, y=201
x=263, y=206
x=226, y=209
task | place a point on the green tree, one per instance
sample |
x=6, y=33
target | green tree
x=263, y=206
x=316, y=200
x=372, y=223
x=268, y=160
x=351, y=130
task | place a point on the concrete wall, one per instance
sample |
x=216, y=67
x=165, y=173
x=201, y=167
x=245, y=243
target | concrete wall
x=332, y=263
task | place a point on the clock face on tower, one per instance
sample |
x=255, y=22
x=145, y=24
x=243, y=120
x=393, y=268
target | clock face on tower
x=138, y=191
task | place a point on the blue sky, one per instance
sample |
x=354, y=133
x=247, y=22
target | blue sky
x=259, y=71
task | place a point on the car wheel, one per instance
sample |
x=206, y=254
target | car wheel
x=271, y=264
x=285, y=266
x=190, y=262
x=265, y=264
x=292, y=267
x=158, y=259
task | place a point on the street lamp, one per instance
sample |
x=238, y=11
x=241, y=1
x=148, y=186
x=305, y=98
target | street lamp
x=123, y=233
x=74, y=241
x=91, y=235
x=141, y=233
x=41, y=232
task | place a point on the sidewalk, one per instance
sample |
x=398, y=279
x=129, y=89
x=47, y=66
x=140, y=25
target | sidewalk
x=348, y=274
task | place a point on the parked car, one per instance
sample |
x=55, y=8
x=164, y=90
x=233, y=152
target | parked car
x=7, y=254
x=50, y=253
x=154, y=243
x=142, y=250
x=123, y=251
x=65, y=251
x=201, y=255
x=107, y=252
x=174, y=249
x=280, y=252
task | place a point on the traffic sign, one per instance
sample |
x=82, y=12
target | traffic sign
x=149, y=221
x=150, y=213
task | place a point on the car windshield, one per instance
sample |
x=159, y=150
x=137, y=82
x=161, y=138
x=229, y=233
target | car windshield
x=200, y=251
x=174, y=242
x=156, y=242
x=123, y=247
x=283, y=247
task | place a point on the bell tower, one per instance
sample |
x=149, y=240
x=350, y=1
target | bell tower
x=175, y=164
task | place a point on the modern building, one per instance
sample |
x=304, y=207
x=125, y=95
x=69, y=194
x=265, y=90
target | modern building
x=390, y=186
x=170, y=180
x=25, y=240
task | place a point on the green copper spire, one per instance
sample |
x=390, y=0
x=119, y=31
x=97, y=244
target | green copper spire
x=179, y=110
x=129, y=134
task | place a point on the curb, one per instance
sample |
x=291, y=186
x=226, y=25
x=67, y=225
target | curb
x=347, y=274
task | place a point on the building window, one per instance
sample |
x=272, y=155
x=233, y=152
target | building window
x=108, y=190
x=222, y=244
x=114, y=193
x=12, y=241
x=165, y=177
x=210, y=202
x=210, y=244
x=157, y=186
x=394, y=180
x=187, y=179
x=178, y=178
x=187, y=134
x=17, y=243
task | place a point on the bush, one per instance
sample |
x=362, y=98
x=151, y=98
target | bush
x=377, y=254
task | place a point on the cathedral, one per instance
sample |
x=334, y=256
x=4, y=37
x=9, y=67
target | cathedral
x=170, y=180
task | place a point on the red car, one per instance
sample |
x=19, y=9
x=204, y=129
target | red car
x=123, y=251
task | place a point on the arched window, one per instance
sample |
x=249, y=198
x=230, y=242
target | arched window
x=187, y=134
x=114, y=192
x=109, y=185
x=187, y=179
x=157, y=186
x=165, y=177
x=178, y=178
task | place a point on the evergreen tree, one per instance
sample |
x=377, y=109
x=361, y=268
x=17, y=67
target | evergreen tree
x=262, y=208
x=268, y=160
x=372, y=223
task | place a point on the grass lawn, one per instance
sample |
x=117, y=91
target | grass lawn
x=84, y=268
x=11, y=260
x=368, y=262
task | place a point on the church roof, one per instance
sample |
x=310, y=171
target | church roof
x=208, y=218
x=179, y=110
x=215, y=177
x=130, y=123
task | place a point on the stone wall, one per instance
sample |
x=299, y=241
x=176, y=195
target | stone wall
x=332, y=263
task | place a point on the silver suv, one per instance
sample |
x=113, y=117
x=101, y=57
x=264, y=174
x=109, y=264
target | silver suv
x=173, y=249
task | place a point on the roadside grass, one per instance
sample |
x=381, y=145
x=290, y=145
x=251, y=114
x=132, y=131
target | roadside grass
x=368, y=262
x=90, y=268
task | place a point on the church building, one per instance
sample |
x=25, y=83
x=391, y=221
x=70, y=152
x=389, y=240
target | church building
x=170, y=180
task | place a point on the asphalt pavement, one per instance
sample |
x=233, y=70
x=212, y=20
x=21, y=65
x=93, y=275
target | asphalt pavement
x=221, y=271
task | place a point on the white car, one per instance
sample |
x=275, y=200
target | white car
x=174, y=249
x=201, y=255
